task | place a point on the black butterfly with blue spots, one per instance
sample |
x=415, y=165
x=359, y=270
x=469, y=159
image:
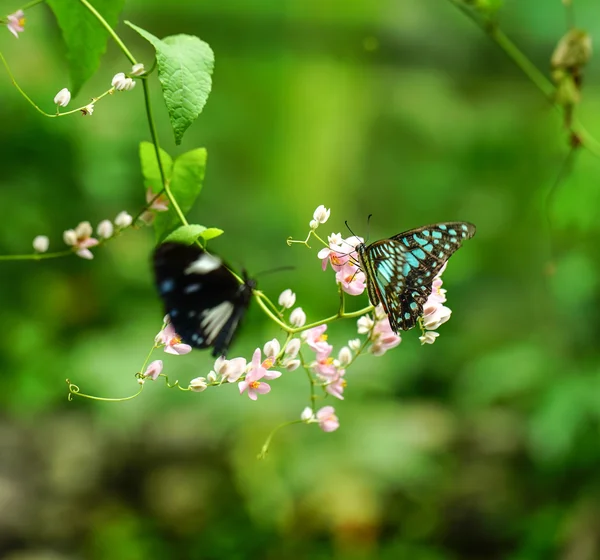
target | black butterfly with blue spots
x=400, y=270
x=204, y=300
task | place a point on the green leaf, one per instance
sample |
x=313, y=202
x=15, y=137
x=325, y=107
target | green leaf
x=211, y=233
x=185, y=64
x=150, y=170
x=185, y=185
x=189, y=234
x=84, y=36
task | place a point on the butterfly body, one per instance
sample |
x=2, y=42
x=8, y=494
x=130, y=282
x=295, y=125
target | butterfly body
x=400, y=270
x=204, y=300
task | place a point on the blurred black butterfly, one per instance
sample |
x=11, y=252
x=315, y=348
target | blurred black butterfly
x=202, y=297
x=400, y=270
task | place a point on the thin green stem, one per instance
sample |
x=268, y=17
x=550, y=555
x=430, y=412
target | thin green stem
x=109, y=30
x=154, y=135
x=36, y=256
x=526, y=66
x=14, y=82
x=546, y=87
x=74, y=391
x=259, y=296
x=32, y=4
x=335, y=317
x=312, y=383
x=265, y=447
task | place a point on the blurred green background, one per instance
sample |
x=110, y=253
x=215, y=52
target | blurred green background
x=482, y=446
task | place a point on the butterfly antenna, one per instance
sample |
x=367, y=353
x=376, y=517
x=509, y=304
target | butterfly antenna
x=368, y=228
x=278, y=269
x=350, y=230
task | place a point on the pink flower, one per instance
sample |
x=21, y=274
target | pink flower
x=254, y=388
x=160, y=204
x=172, y=341
x=81, y=239
x=16, y=23
x=256, y=371
x=328, y=421
x=335, y=254
x=382, y=336
x=154, y=370
x=438, y=294
x=324, y=365
x=317, y=340
x=230, y=370
x=337, y=385
x=434, y=315
x=353, y=281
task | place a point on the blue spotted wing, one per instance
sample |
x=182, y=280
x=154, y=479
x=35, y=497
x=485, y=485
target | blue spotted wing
x=400, y=270
x=204, y=300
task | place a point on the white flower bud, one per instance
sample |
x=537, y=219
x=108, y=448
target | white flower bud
x=291, y=365
x=211, y=377
x=137, y=69
x=298, y=317
x=70, y=237
x=129, y=84
x=88, y=110
x=321, y=214
x=313, y=224
x=307, y=414
x=287, y=298
x=41, y=244
x=84, y=230
x=62, y=98
x=198, y=384
x=123, y=220
x=428, y=337
x=293, y=347
x=364, y=324
x=344, y=356
x=272, y=348
x=105, y=229
x=354, y=344
x=118, y=81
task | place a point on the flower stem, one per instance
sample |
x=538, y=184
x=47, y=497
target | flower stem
x=110, y=31
x=74, y=391
x=265, y=448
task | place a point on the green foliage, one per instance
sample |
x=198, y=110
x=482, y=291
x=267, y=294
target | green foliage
x=484, y=445
x=184, y=177
x=185, y=65
x=189, y=234
x=85, y=38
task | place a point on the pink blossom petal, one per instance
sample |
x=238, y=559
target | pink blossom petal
x=153, y=370
x=85, y=254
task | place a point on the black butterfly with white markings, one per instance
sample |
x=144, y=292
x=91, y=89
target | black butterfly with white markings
x=204, y=300
x=400, y=270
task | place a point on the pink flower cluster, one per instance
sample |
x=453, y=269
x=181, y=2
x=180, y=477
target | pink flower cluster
x=341, y=253
x=381, y=336
x=331, y=372
x=325, y=417
x=435, y=313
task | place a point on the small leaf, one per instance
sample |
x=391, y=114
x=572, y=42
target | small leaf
x=186, y=234
x=185, y=185
x=84, y=36
x=211, y=233
x=185, y=64
x=150, y=170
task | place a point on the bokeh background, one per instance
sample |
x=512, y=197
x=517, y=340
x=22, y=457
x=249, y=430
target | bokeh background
x=482, y=446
